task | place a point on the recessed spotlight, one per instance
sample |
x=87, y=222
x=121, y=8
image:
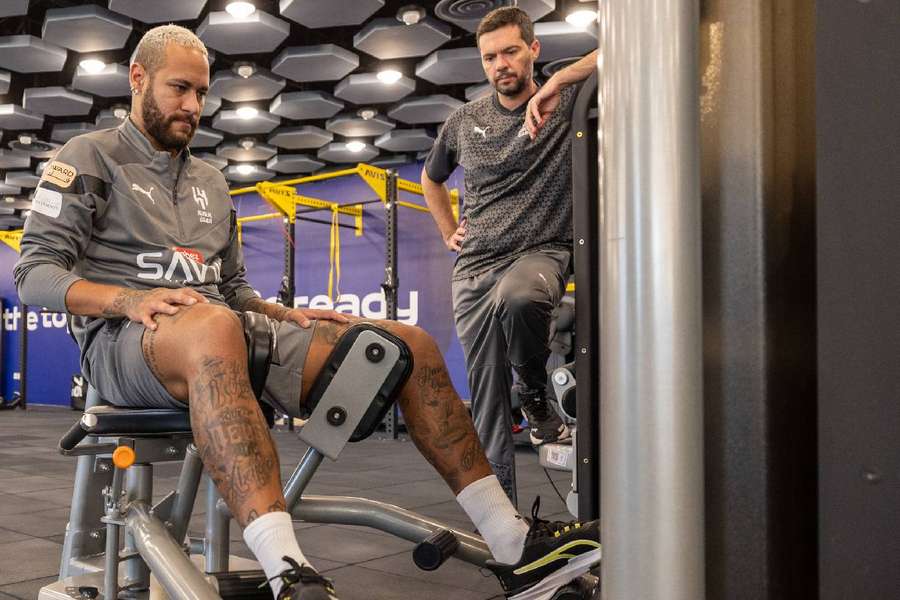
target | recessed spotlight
x=41, y=166
x=410, y=14
x=92, y=65
x=247, y=143
x=356, y=146
x=581, y=18
x=240, y=10
x=246, y=112
x=245, y=169
x=120, y=112
x=25, y=139
x=244, y=69
x=389, y=76
x=367, y=114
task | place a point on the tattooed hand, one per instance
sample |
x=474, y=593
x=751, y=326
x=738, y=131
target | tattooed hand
x=141, y=305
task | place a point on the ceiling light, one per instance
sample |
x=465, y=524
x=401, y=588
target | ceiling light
x=367, y=114
x=245, y=169
x=25, y=139
x=240, y=10
x=389, y=76
x=246, y=112
x=92, y=65
x=245, y=70
x=410, y=14
x=356, y=146
x=247, y=143
x=41, y=166
x=581, y=18
x=120, y=112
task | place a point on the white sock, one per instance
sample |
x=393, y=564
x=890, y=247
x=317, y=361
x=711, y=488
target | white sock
x=270, y=537
x=495, y=517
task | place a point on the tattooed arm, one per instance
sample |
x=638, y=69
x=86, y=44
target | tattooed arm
x=300, y=316
x=99, y=300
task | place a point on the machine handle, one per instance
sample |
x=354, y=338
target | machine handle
x=435, y=549
x=76, y=433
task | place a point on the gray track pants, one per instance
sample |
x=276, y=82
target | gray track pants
x=503, y=320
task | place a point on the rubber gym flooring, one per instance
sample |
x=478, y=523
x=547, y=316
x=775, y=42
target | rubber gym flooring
x=35, y=490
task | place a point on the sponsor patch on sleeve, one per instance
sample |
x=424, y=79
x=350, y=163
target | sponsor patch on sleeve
x=59, y=173
x=47, y=202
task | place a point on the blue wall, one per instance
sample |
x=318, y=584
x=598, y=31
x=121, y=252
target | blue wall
x=424, y=267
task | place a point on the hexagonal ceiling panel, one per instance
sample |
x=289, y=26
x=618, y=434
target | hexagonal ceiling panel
x=12, y=8
x=392, y=160
x=337, y=152
x=158, y=11
x=425, y=109
x=339, y=12
x=258, y=173
x=475, y=92
x=389, y=38
x=29, y=54
x=301, y=106
x=260, y=32
x=261, y=85
x=561, y=40
x=467, y=13
x=111, y=117
x=29, y=144
x=294, y=163
x=9, y=189
x=211, y=105
x=352, y=125
x=111, y=82
x=325, y=62
x=15, y=117
x=22, y=179
x=63, y=132
x=405, y=140
x=457, y=65
x=205, y=137
x=5, y=80
x=88, y=28
x=216, y=161
x=561, y=63
x=10, y=159
x=229, y=121
x=365, y=88
x=299, y=138
x=242, y=151
x=56, y=101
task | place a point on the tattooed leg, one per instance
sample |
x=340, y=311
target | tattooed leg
x=210, y=374
x=436, y=418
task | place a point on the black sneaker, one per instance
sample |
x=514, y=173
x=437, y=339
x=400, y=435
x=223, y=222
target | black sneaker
x=301, y=582
x=555, y=553
x=546, y=426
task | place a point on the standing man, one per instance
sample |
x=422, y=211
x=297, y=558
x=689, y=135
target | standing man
x=515, y=238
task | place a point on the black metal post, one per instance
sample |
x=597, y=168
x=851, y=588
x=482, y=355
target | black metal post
x=23, y=358
x=587, y=315
x=289, y=299
x=391, y=281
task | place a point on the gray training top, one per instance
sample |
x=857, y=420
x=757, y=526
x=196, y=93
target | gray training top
x=112, y=209
x=518, y=192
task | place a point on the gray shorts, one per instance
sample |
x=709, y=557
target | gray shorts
x=122, y=377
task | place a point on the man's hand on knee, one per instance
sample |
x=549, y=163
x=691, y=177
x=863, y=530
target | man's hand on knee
x=303, y=316
x=141, y=306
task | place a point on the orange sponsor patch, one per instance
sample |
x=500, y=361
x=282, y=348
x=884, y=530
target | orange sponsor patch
x=59, y=173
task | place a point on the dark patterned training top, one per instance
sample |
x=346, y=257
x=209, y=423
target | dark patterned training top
x=518, y=192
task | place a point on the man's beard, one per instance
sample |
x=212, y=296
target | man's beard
x=511, y=89
x=159, y=126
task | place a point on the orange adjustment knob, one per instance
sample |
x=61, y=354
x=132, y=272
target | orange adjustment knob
x=123, y=457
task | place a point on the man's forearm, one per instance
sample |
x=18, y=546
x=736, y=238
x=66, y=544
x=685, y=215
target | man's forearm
x=437, y=197
x=100, y=300
x=270, y=309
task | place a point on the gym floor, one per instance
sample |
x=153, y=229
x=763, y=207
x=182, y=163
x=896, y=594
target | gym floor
x=35, y=490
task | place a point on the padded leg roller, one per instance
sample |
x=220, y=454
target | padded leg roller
x=434, y=550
